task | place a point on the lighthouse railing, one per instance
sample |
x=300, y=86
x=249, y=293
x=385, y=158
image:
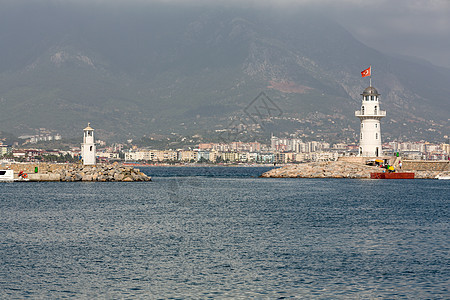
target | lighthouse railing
x=381, y=113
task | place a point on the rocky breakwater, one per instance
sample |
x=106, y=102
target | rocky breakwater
x=330, y=169
x=101, y=173
x=429, y=174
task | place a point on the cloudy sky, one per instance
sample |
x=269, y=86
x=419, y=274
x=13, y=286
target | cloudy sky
x=419, y=28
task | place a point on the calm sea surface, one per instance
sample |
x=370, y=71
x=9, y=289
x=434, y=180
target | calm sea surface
x=224, y=233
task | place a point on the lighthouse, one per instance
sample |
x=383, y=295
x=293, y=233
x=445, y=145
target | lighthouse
x=370, y=116
x=88, y=146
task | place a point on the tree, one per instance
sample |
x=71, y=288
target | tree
x=203, y=160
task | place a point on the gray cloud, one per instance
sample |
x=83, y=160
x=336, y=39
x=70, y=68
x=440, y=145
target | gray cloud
x=408, y=27
x=418, y=28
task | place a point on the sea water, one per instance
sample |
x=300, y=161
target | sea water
x=225, y=233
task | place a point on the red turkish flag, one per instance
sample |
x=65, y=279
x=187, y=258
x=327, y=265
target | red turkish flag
x=366, y=72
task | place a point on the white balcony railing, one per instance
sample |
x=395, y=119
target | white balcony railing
x=381, y=113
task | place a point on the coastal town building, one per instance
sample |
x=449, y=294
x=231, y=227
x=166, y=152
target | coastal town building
x=230, y=156
x=136, y=156
x=107, y=155
x=296, y=145
x=88, y=146
x=285, y=144
x=43, y=135
x=19, y=153
x=265, y=158
x=203, y=156
x=213, y=156
x=446, y=148
x=187, y=155
x=166, y=155
x=370, y=115
x=4, y=149
x=152, y=155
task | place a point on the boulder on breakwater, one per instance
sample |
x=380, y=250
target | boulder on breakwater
x=102, y=173
x=329, y=169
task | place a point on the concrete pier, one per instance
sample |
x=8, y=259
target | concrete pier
x=44, y=177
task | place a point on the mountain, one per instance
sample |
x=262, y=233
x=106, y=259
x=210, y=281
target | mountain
x=161, y=68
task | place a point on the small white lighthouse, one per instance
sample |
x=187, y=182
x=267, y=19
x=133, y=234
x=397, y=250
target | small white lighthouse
x=88, y=146
x=370, y=116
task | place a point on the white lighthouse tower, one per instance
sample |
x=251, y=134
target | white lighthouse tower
x=370, y=116
x=88, y=146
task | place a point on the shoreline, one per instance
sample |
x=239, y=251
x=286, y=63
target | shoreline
x=116, y=172
x=243, y=165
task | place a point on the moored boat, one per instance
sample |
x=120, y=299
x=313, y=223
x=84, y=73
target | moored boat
x=392, y=175
x=7, y=175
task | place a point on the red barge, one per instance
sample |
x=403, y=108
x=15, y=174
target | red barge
x=393, y=175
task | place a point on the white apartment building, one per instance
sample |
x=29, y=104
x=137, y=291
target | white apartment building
x=187, y=155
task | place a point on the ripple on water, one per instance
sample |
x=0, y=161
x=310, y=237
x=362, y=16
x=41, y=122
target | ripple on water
x=225, y=236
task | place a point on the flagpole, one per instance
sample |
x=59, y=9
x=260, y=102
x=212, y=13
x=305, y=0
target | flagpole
x=370, y=77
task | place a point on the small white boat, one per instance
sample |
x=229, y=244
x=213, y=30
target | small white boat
x=443, y=177
x=7, y=175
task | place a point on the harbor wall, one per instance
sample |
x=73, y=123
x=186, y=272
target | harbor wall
x=43, y=168
x=362, y=160
x=418, y=165
x=44, y=177
x=352, y=159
